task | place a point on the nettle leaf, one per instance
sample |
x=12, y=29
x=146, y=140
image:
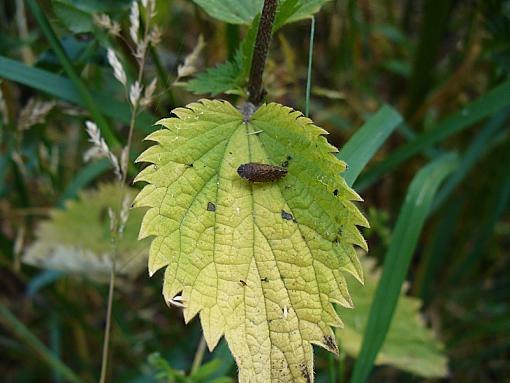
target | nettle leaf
x=409, y=344
x=225, y=77
x=261, y=262
x=244, y=11
x=230, y=76
x=77, y=239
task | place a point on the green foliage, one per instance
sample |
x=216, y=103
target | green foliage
x=493, y=101
x=261, y=262
x=74, y=17
x=63, y=89
x=77, y=239
x=230, y=76
x=408, y=228
x=408, y=345
x=164, y=372
x=365, y=55
x=78, y=15
x=224, y=78
x=78, y=82
x=244, y=11
x=367, y=140
x=12, y=323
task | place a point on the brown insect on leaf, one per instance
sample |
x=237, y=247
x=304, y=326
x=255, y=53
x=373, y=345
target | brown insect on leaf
x=256, y=172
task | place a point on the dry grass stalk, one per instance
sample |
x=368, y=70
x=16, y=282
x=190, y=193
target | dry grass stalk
x=134, y=22
x=100, y=148
x=104, y=21
x=192, y=61
x=33, y=113
x=118, y=69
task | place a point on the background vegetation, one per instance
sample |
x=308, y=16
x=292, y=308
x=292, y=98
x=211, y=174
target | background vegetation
x=442, y=65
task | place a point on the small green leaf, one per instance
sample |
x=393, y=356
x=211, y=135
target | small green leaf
x=409, y=345
x=230, y=76
x=220, y=79
x=263, y=262
x=244, y=11
x=78, y=239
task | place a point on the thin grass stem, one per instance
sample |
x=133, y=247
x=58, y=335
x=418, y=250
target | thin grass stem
x=309, y=74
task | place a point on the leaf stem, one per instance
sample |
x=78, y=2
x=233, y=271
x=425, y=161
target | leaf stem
x=255, y=89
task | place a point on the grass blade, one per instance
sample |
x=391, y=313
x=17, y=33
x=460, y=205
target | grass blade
x=309, y=72
x=362, y=146
x=493, y=101
x=410, y=222
x=22, y=332
x=82, y=89
x=64, y=89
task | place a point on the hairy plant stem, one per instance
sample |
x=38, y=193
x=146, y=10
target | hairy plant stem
x=255, y=89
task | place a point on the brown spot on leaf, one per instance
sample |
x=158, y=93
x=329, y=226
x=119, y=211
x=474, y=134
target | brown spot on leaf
x=211, y=206
x=330, y=344
x=243, y=283
x=265, y=279
x=335, y=192
x=305, y=372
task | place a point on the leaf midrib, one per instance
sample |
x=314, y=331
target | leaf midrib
x=249, y=134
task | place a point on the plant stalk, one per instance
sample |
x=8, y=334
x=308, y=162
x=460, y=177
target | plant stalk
x=199, y=356
x=107, y=331
x=255, y=89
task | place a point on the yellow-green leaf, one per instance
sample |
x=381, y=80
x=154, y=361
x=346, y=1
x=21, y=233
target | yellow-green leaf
x=409, y=344
x=261, y=262
x=77, y=239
